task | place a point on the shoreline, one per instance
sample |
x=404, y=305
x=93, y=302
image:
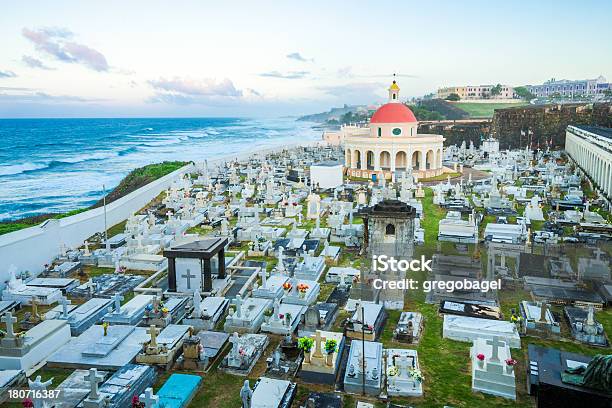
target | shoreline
x=35, y=220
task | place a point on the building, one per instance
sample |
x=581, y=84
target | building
x=472, y=92
x=590, y=147
x=391, y=143
x=568, y=88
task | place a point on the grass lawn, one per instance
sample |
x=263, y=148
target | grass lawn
x=484, y=110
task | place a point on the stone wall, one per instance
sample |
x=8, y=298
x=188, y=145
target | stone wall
x=31, y=248
x=455, y=134
x=547, y=122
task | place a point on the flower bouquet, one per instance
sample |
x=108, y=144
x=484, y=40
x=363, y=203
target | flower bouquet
x=480, y=357
x=416, y=375
x=510, y=363
x=392, y=371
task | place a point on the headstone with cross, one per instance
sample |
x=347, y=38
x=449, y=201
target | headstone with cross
x=188, y=277
x=153, y=332
x=149, y=399
x=238, y=303
x=65, y=302
x=34, y=304
x=117, y=298
x=495, y=344
x=94, y=379
x=9, y=320
x=317, y=346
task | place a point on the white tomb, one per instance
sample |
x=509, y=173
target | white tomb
x=23, y=351
x=404, y=376
x=493, y=368
x=463, y=328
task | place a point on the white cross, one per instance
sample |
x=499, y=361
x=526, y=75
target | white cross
x=94, y=378
x=65, y=302
x=9, y=320
x=188, y=276
x=149, y=399
x=153, y=332
x=495, y=345
x=117, y=298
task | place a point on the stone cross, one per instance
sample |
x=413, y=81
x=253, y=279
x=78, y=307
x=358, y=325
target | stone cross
x=117, y=298
x=149, y=399
x=94, y=378
x=317, y=345
x=34, y=303
x=188, y=276
x=238, y=303
x=197, y=300
x=495, y=345
x=276, y=308
x=153, y=332
x=403, y=365
x=9, y=320
x=65, y=302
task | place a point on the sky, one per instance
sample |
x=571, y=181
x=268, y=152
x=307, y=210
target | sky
x=271, y=58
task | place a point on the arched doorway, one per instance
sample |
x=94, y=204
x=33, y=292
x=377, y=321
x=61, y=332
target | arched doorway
x=429, y=160
x=416, y=160
x=370, y=160
x=357, y=159
x=401, y=160
x=385, y=160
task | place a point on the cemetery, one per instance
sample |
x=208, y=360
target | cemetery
x=249, y=283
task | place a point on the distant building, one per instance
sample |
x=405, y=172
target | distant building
x=564, y=87
x=471, y=92
x=390, y=144
x=590, y=147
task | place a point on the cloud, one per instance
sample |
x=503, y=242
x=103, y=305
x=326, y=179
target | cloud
x=345, y=72
x=7, y=74
x=287, y=75
x=360, y=92
x=34, y=62
x=298, y=57
x=190, y=91
x=55, y=42
x=28, y=95
x=205, y=87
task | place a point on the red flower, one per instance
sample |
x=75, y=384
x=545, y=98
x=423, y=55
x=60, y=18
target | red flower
x=480, y=356
x=511, y=361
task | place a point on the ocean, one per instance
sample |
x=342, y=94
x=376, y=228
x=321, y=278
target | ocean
x=58, y=165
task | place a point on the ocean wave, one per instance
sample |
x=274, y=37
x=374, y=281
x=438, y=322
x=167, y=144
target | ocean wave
x=31, y=167
x=12, y=170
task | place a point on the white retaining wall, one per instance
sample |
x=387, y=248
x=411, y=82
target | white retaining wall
x=31, y=248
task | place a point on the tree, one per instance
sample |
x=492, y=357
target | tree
x=523, y=93
x=496, y=90
x=453, y=97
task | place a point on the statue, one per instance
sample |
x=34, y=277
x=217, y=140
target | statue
x=246, y=395
x=38, y=386
x=597, y=375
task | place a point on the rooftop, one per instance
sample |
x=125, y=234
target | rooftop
x=597, y=130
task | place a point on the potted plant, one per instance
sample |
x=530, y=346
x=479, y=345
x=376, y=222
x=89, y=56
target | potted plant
x=287, y=286
x=481, y=358
x=416, y=375
x=510, y=363
x=331, y=346
x=267, y=314
x=305, y=343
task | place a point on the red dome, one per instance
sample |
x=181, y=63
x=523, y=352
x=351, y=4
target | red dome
x=393, y=113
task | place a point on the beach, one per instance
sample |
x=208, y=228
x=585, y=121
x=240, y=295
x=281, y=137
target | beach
x=59, y=165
